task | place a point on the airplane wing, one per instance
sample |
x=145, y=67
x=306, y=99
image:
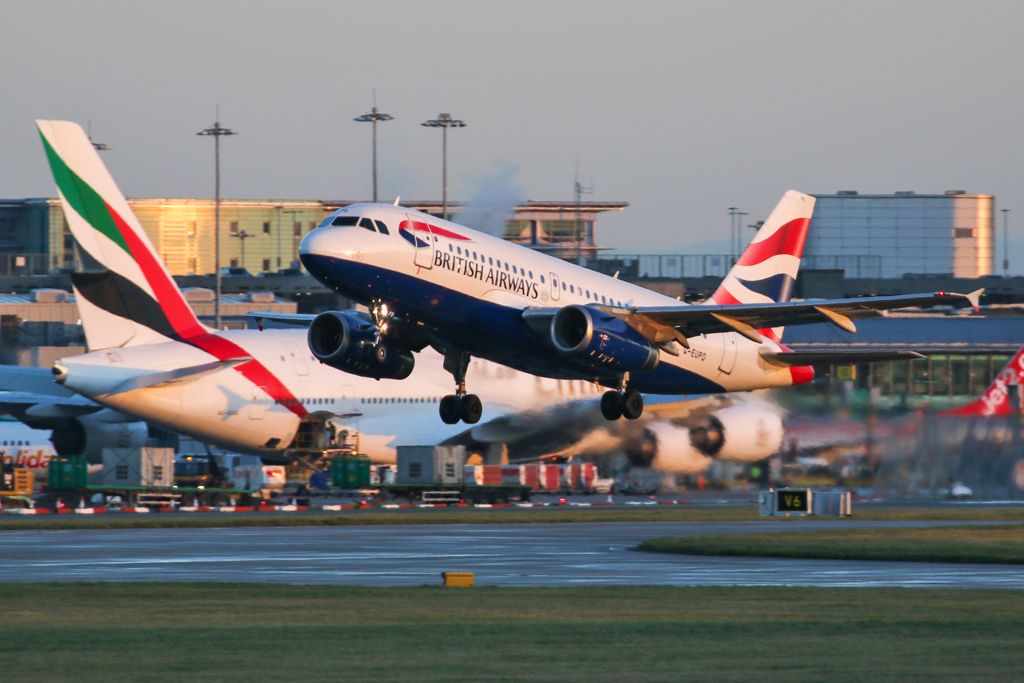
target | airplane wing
x=261, y=318
x=185, y=374
x=662, y=324
x=829, y=356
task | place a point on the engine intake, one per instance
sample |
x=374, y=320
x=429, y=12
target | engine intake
x=89, y=435
x=348, y=342
x=599, y=339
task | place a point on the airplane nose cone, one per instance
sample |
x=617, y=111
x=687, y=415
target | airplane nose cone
x=316, y=243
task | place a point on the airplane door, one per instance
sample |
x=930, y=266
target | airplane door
x=423, y=256
x=298, y=358
x=728, y=352
x=256, y=408
x=556, y=287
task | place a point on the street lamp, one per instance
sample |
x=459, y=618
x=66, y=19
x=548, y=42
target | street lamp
x=373, y=117
x=216, y=131
x=444, y=122
x=1006, y=242
x=242, y=236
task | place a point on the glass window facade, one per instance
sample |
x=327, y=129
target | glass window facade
x=891, y=236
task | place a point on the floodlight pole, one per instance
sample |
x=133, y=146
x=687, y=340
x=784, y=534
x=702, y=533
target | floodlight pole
x=216, y=131
x=444, y=122
x=374, y=116
x=1006, y=242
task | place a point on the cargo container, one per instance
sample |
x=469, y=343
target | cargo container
x=137, y=467
x=430, y=465
x=67, y=472
x=350, y=472
x=439, y=474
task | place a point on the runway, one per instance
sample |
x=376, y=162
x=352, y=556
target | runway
x=500, y=554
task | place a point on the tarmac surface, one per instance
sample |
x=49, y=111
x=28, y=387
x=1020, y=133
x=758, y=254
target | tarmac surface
x=500, y=554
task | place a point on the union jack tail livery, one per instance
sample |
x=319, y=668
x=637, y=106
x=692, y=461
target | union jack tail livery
x=995, y=402
x=766, y=271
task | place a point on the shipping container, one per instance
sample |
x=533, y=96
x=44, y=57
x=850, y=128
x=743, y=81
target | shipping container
x=350, y=472
x=137, y=467
x=430, y=465
x=67, y=472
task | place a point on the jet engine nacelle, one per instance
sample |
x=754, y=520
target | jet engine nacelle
x=87, y=435
x=667, y=448
x=742, y=432
x=349, y=343
x=601, y=340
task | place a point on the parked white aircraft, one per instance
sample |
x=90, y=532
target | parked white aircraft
x=246, y=390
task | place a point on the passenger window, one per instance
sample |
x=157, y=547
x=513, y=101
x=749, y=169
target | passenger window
x=458, y=250
x=531, y=274
x=382, y=228
x=541, y=279
x=491, y=260
x=344, y=221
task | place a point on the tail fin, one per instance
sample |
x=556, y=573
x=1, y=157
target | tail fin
x=766, y=271
x=996, y=399
x=132, y=299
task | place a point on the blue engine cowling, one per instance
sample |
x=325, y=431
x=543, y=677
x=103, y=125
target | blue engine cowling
x=347, y=342
x=601, y=340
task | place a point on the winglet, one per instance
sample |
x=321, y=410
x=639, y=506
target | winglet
x=975, y=298
x=399, y=197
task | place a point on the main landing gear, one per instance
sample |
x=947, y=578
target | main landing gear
x=460, y=405
x=626, y=402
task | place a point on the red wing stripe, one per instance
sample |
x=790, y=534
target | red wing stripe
x=789, y=239
x=253, y=370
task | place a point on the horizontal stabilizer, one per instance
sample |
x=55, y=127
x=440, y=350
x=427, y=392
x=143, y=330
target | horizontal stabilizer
x=186, y=374
x=828, y=356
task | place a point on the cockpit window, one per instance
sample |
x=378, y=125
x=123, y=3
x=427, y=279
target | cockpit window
x=382, y=228
x=345, y=220
x=368, y=224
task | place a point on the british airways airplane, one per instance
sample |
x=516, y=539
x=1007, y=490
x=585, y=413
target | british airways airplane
x=429, y=281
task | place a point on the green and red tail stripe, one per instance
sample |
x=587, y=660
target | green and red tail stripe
x=169, y=314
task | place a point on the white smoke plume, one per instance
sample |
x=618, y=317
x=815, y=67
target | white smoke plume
x=493, y=202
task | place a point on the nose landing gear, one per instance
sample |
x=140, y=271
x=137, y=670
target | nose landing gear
x=460, y=405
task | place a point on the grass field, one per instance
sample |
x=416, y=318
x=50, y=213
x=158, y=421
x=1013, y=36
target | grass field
x=679, y=513
x=232, y=632
x=999, y=544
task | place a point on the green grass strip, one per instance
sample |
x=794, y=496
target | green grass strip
x=675, y=513
x=987, y=545
x=232, y=632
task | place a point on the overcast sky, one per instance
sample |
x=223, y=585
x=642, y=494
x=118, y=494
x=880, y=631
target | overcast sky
x=681, y=109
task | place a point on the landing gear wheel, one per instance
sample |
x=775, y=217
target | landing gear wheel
x=470, y=409
x=449, y=409
x=632, y=404
x=611, y=405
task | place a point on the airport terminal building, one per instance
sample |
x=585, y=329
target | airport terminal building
x=259, y=235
